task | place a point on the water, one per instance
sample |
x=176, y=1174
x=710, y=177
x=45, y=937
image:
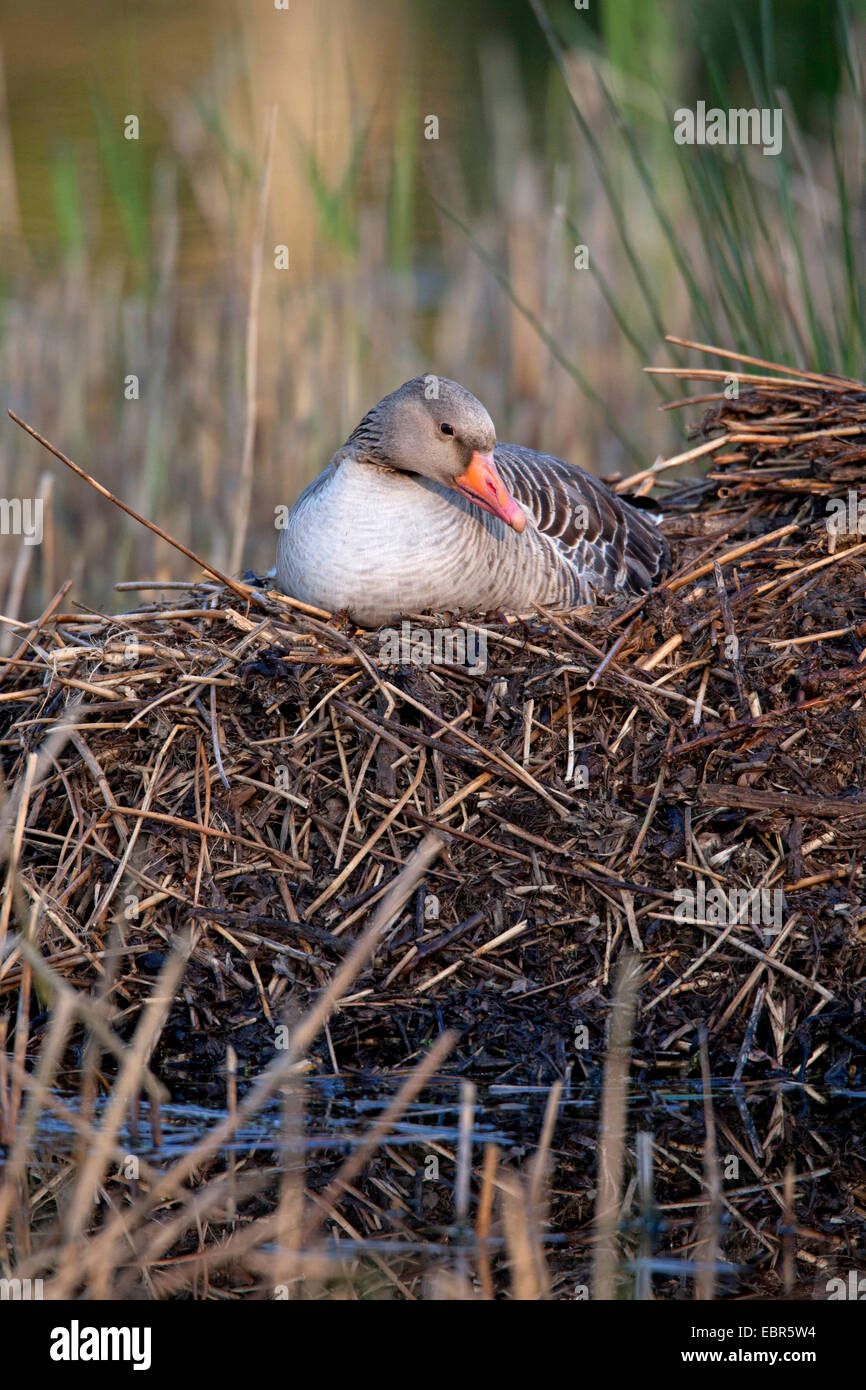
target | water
x=339, y=1110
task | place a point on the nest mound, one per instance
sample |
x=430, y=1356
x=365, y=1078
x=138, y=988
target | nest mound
x=682, y=774
x=262, y=775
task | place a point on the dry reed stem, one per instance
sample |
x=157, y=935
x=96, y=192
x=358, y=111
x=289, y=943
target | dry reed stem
x=612, y=1128
x=242, y=498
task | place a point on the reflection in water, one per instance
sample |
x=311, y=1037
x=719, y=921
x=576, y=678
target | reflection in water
x=339, y=1109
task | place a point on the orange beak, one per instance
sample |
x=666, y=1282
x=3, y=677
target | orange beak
x=482, y=485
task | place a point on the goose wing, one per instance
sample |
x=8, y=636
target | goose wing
x=609, y=544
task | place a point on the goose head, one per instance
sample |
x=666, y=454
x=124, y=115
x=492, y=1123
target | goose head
x=437, y=429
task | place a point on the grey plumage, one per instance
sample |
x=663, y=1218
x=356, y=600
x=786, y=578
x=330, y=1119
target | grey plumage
x=605, y=544
x=382, y=531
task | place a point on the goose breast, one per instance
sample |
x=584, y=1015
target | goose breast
x=379, y=543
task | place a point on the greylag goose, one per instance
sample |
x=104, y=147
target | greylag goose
x=422, y=510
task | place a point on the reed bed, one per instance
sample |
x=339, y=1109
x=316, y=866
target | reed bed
x=246, y=850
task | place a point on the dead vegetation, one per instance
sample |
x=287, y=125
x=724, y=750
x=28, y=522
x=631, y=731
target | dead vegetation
x=402, y=862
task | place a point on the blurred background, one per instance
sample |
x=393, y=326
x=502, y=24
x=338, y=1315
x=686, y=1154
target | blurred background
x=429, y=167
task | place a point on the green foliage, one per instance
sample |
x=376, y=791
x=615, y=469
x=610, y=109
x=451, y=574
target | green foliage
x=125, y=170
x=753, y=213
x=336, y=203
x=66, y=200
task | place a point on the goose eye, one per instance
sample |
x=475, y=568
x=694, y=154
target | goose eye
x=447, y=429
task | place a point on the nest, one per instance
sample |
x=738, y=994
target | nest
x=679, y=775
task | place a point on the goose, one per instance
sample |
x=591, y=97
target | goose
x=422, y=510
